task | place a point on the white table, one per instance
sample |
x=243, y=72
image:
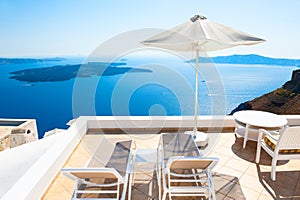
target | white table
x=258, y=119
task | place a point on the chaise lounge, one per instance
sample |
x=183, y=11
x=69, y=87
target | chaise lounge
x=182, y=168
x=105, y=182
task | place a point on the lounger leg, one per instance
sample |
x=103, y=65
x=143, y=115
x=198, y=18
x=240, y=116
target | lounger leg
x=273, y=170
x=74, y=195
x=130, y=186
x=211, y=192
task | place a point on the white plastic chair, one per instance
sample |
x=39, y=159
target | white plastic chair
x=285, y=146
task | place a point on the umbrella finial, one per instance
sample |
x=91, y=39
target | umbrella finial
x=197, y=17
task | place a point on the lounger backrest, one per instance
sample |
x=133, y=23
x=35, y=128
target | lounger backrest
x=120, y=157
x=178, y=144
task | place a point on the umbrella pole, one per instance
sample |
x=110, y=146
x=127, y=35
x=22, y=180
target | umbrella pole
x=200, y=138
x=195, y=129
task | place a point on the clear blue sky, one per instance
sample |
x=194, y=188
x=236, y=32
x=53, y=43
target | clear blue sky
x=35, y=28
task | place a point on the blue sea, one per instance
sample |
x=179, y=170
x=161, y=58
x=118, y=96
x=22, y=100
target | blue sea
x=168, y=89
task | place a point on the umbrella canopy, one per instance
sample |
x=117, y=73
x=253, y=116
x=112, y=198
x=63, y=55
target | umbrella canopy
x=197, y=34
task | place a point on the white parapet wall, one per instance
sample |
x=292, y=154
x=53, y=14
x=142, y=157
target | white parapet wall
x=148, y=122
x=39, y=174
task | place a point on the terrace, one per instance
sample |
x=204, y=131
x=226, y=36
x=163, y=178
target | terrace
x=236, y=176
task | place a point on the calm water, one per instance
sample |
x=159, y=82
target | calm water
x=167, y=90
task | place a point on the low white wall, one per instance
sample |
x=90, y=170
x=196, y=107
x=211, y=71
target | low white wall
x=167, y=121
x=33, y=184
x=158, y=121
x=293, y=120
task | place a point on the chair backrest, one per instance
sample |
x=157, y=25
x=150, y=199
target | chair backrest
x=289, y=138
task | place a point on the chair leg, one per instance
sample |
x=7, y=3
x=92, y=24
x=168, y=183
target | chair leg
x=164, y=195
x=273, y=170
x=258, y=150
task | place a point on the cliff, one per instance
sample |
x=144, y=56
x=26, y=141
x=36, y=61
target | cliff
x=283, y=101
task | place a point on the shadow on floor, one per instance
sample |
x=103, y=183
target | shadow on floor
x=226, y=187
x=286, y=186
x=249, y=153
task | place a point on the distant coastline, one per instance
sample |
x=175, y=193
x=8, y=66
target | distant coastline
x=29, y=60
x=67, y=72
x=251, y=59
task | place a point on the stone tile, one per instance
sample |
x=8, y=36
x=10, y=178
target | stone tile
x=220, y=196
x=263, y=196
x=294, y=164
x=223, y=184
x=297, y=191
x=230, y=172
x=252, y=171
x=237, y=164
x=228, y=198
x=268, y=191
x=284, y=181
x=277, y=190
x=224, y=151
x=237, y=193
x=250, y=194
x=251, y=182
x=222, y=160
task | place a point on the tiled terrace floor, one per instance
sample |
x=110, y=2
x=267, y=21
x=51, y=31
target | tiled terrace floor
x=235, y=177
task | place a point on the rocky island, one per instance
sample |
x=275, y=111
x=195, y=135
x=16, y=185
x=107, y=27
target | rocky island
x=283, y=101
x=67, y=72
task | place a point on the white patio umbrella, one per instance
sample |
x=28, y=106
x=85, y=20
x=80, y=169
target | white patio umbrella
x=197, y=34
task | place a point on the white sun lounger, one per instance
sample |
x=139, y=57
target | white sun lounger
x=182, y=168
x=105, y=182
